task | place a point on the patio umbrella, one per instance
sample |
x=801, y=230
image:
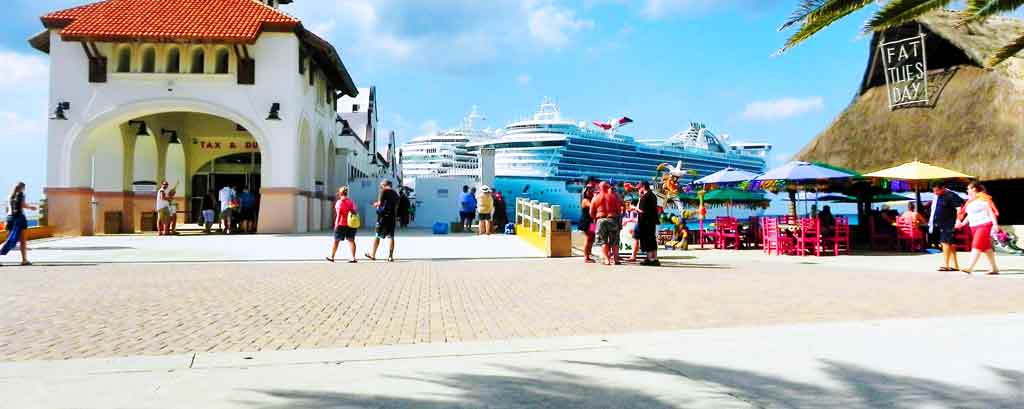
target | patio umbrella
x=884, y=198
x=918, y=171
x=802, y=171
x=730, y=197
x=727, y=175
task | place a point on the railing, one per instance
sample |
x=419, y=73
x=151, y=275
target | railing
x=534, y=215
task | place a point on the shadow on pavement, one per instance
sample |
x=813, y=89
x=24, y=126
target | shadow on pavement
x=856, y=387
x=84, y=248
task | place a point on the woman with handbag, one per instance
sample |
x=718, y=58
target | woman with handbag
x=346, y=224
x=17, y=223
x=981, y=215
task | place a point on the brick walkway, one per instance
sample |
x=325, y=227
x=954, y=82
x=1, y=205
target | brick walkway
x=126, y=310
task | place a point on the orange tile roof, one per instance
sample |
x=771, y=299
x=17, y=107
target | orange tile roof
x=236, y=21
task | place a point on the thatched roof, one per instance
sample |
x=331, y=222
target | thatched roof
x=973, y=123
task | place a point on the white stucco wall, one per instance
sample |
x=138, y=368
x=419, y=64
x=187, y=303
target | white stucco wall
x=127, y=96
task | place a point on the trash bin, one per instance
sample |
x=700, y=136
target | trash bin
x=112, y=222
x=148, y=222
x=440, y=228
x=558, y=243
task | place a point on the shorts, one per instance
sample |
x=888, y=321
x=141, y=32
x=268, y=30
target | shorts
x=344, y=233
x=385, y=228
x=209, y=216
x=466, y=216
x=608, y=231
x=484, y=217
x=947, y=234
x=164, y=213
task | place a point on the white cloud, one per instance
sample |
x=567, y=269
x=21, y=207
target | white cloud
x=523, y=79
x=657, y=9
x=14, y=125
x=551, y=25
x=782, y=108
x=429, y=126
x=16, y=69
x=452, y=35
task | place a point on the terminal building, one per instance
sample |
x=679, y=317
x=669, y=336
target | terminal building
x=202, y=94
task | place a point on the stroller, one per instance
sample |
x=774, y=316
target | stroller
x=1006, y=243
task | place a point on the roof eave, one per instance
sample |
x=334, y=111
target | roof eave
x=41, y=41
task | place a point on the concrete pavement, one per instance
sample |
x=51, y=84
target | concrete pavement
x=965, y=362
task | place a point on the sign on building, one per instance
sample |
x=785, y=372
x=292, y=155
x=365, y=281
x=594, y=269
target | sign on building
x=906, y=71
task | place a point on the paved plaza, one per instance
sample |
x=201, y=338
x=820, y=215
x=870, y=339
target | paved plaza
x=89, y=310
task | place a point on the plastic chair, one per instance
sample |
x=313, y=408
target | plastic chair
x=909, y=237
x=808, y=239
x=728, y=232
x=880, y=239
x=774, y=240
x=962, y=239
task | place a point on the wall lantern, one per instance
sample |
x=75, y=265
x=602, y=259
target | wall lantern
x=172, y=136
x=58, y=114
x=143, y=131
x=275, y=111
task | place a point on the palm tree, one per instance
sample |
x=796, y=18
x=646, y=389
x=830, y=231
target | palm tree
x=814, y=15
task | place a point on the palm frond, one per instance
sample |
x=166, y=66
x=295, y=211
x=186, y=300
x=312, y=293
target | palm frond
x=803, y=10
x=899, y=12
x=978, y=10
x=814, y=15
x=1007, y=51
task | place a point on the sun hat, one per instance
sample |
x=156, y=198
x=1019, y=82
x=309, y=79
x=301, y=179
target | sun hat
x=485, y=189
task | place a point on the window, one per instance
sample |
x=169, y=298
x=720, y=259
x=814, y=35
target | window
x=124, y=59
x=198, y=61
x=149, y=60
x=173, y=61
x=223, y=61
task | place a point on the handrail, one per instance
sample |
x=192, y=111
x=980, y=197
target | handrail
x=534, y=215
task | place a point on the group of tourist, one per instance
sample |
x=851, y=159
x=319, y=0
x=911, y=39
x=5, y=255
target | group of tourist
x=347, y=221
x=238, y=210
x=487, y=206
x=604, y=215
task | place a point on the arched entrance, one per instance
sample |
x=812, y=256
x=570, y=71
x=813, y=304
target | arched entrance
x=117, y=160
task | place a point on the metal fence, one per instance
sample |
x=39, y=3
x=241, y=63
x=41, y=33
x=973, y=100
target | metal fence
x=534, y=215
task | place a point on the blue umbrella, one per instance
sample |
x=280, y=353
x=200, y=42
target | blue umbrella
x=800, y=171
x=727, y=175
x=803, y=171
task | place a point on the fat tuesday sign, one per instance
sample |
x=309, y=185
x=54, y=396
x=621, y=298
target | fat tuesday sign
x=906, y=71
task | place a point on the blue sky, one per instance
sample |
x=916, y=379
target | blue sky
x=661, y=62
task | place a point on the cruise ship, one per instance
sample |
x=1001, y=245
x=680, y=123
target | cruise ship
x=548, y=158
x=444, y=153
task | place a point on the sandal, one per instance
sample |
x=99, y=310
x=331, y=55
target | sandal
x=352, y=261
x=391, y=259
x=371, y=258
x=994, y=273
x=945, y=269
x=589, y=261
x=329, y=259
x=26, y=263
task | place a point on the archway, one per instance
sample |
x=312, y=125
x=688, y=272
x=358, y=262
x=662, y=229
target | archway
x=121, y=155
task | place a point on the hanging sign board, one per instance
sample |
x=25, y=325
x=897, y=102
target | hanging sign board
x=906, y=71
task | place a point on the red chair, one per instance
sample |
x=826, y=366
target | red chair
x=880, y=238
x=808, y=239
x=755, y=233
x=728, y=231
x=962, y=239
x=839, y=241
x=775, y=240
x=909, y=236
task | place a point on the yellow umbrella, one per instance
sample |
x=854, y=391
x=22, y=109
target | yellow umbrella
x=918, y=171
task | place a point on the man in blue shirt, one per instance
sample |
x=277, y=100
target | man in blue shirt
x=467, y=208
x=943, y=222
x=247, y=202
